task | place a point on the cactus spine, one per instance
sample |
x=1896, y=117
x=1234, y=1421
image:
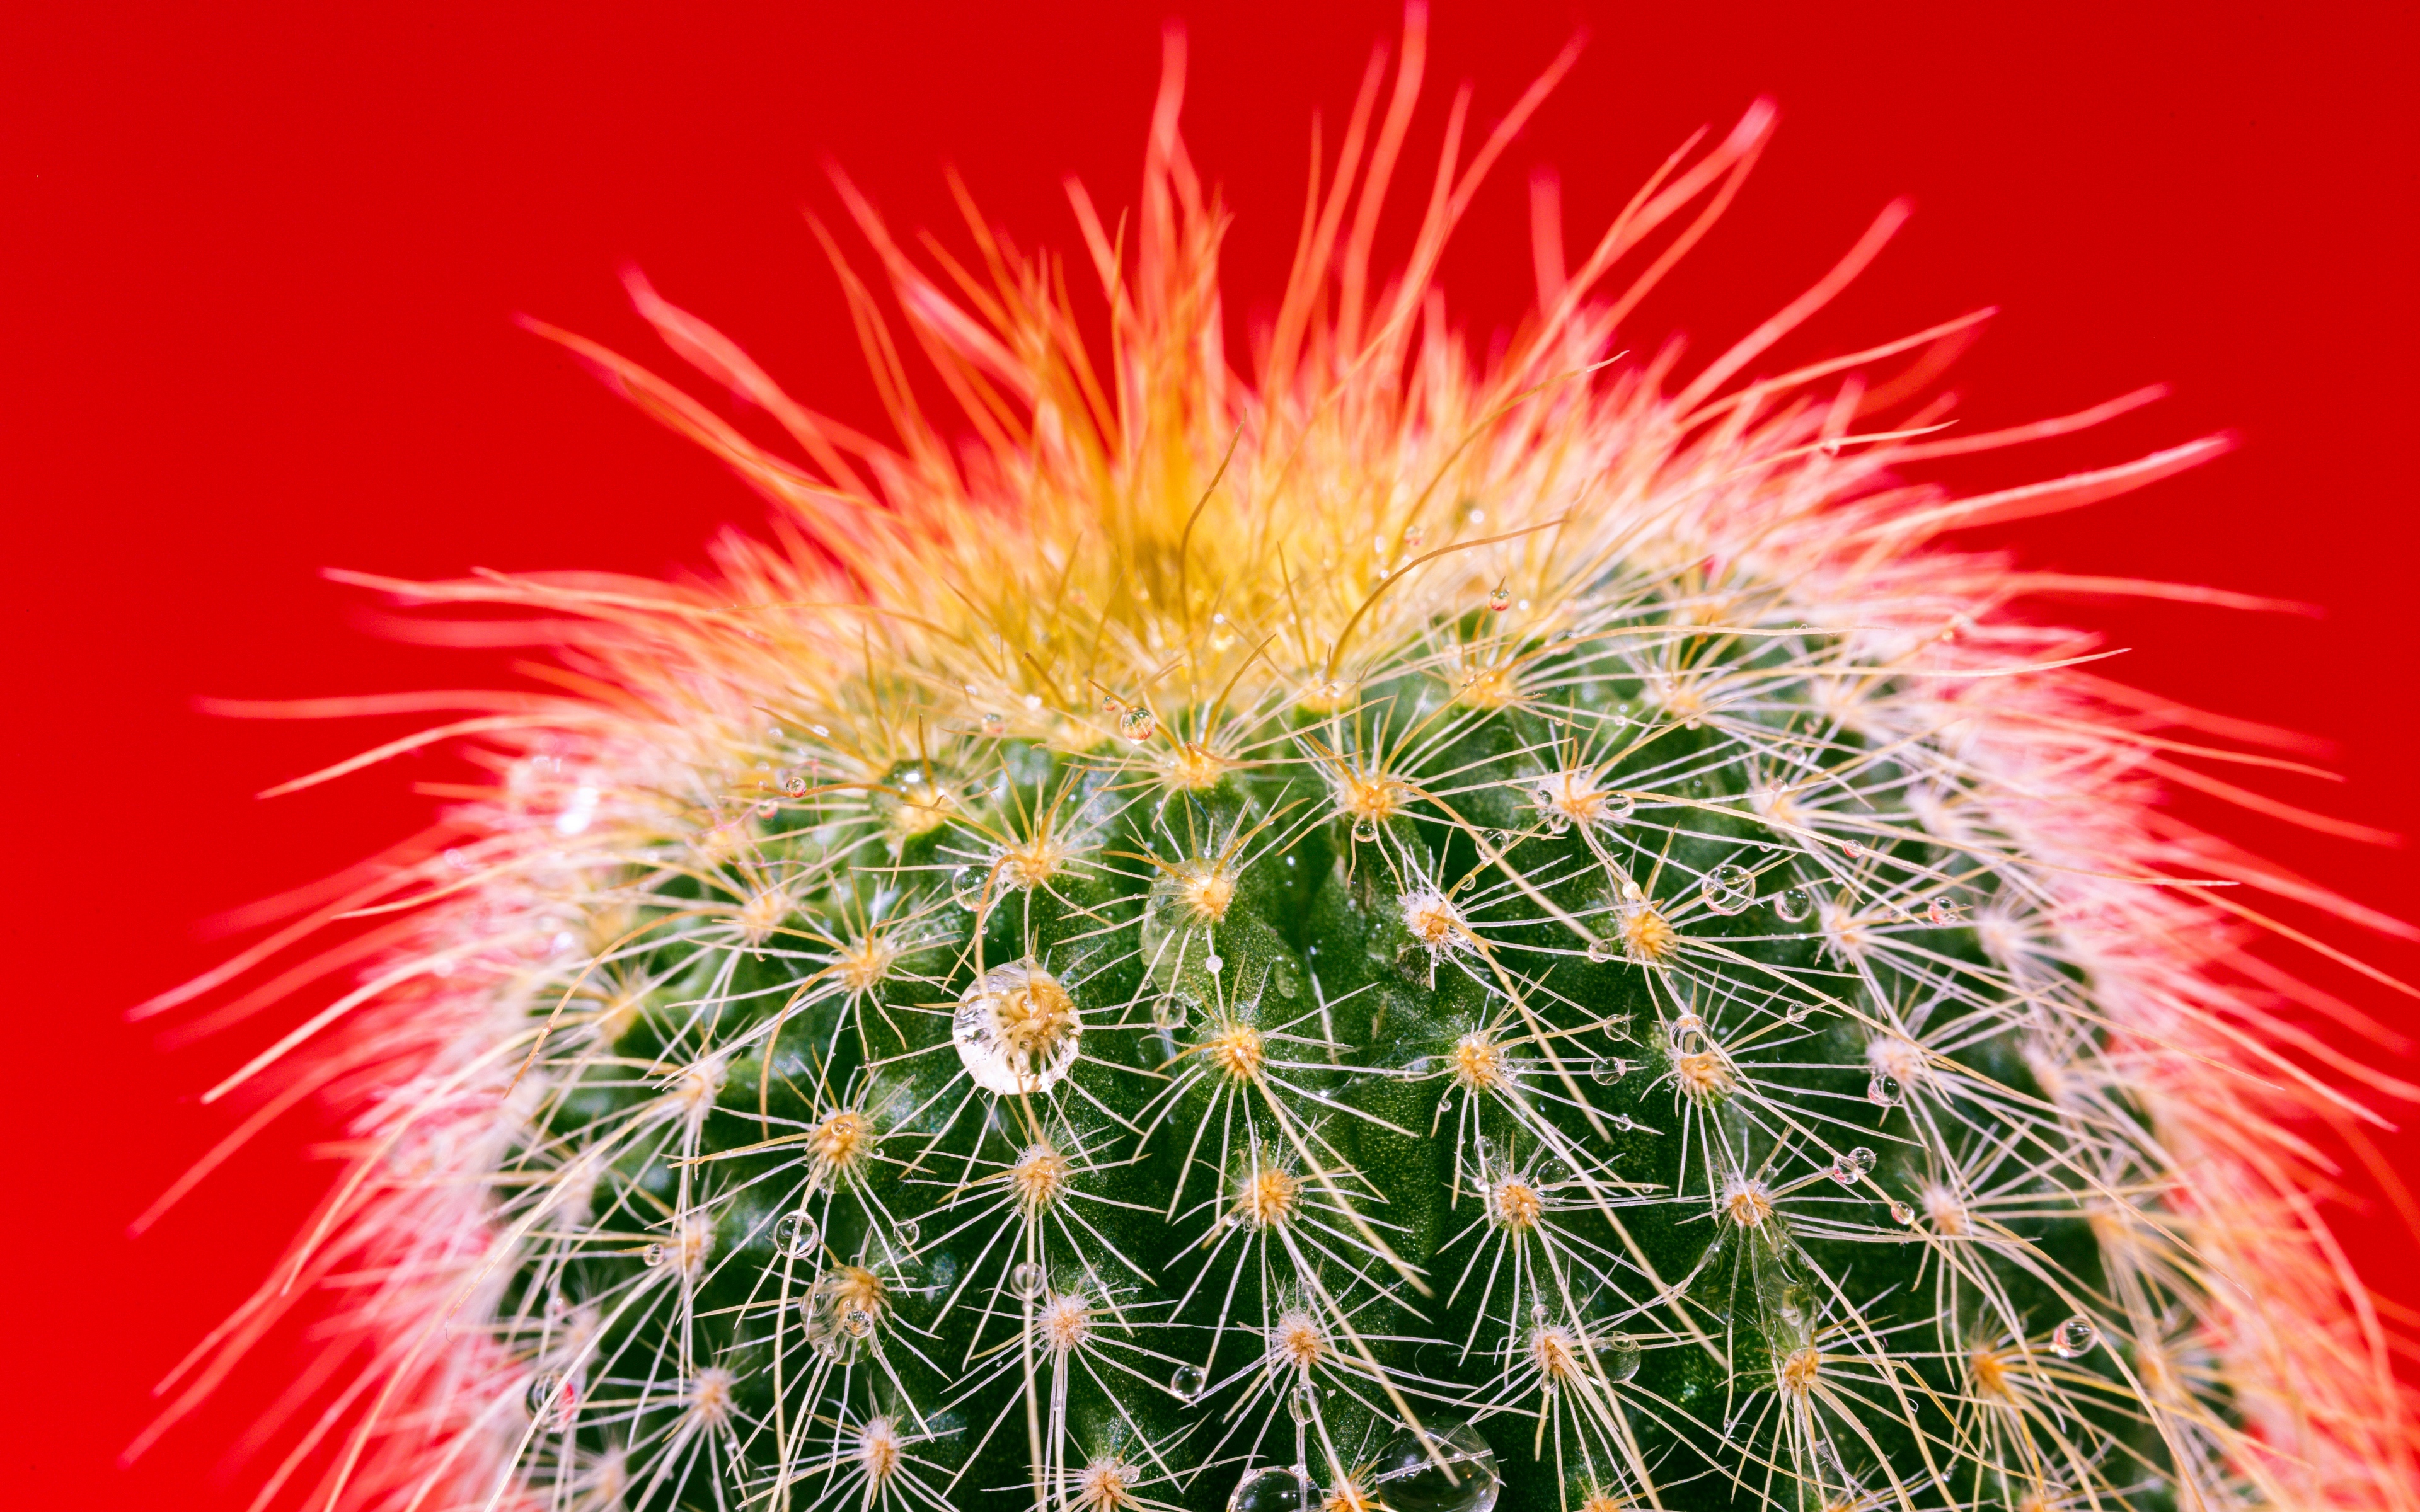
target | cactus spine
x=1409, y=932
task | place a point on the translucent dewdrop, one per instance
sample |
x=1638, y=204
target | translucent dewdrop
x=653, y=1255
x=1302, y=1404
x=795, y=1235
x=1365, y=831
x=1940, y=911
x=1608, y=1069
x=1602, y=949
x=1018, y=1030
x=1273, y=1489
x=1619, y=1354
x=1882, y=1090
x=1214, y=964
x=903, y=1234
x=1902, y=1214
x=1187, y=1380
x=1499, y=599
x=1450, y=1468
x=1027, y=1280
x=1851, y=1168
x=1793, y=905
x=1728, y=888
x=1138, y=725
x=545, y=1393
x=1413, y=537
x=995, y=725
x=2074, y=1337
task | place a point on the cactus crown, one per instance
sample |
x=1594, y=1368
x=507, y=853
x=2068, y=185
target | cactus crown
x=1409, y=933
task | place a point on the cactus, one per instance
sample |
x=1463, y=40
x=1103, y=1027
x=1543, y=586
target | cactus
x=1414, y=932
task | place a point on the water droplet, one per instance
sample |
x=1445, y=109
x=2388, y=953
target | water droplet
x=1476, y=516
x=1830, y=445
x=965, y=890
x=1273, y=1489
x=1853, y=851
x=821, y=732
x=1557, y=822
x=1622, y=1123
x=1621, y=1355
x=1413, y=536
x=995, y=725
x=1168, y=1014
x=1618, y=807
x=1302, y=1403
x=795, y=1235
x=1941, y=911
x=1499, y=599
x=1111, y=703
x=1027, y=1280
x=1603, y=949
x=1138, y=725
x=903, y=1235
x=546, y=1389
x=1289, y=985
x=1609, y=1069
x=1901, y=1214
x=1851, y=1168
x=653, y=1255
x=2073, y=1338
x=1797, y=1013
x=1364, y=830
x=1214, y=964
x=1489, y=1155
x=1882, y=1090
x=1793, y=905
x=794, y=785
x=1187, y=1381
x=1016, y=1029
x=1453, y=1471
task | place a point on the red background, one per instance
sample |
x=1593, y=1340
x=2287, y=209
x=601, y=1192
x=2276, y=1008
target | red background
x=260, y=264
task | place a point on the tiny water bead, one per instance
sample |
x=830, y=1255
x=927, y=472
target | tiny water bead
x=1851, y=1168
x=905, y=1233
x=1729, y=888
x=546, y=1396
x=1302, y=1403
x=1214, y=964
x=1902, y=1214
x=1365, y=831
x=1027, y=1280
x=1793, y=905
x=995, y=725
x=1017, y=1030
x=1603, y=949
x=1414, y=537
x=1499, y=599
x=1883, y=1089
x=1608, y=1069
x=1187, y=1381
x=795, y=1235
x=1138, y=725
x=2074, y=1339
x=1621, y=1355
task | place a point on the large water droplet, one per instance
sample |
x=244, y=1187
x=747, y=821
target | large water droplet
x=1302, y=1403
x=1364, y=830
x=1273, y=1489
x=1016, y=1029
x=797, y=1235
x=544, y=1394
x=1187, y=1381
x=1499, y=599
x=1609, y=1069
x=1027, y=1280
x=2074, y=1339
x=1452, y=1471
x=653, y=1255
x=1882, y=1090
x=1618, y=807
x=1793, y=905
x=1138, y=725
x=1728, y=888
x=1620, y=1355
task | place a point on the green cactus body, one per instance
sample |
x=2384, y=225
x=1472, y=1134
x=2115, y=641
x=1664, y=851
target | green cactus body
x=1407, y=933
x=1630, y=1088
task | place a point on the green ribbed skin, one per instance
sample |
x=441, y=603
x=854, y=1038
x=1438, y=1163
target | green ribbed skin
x=1543, y=1119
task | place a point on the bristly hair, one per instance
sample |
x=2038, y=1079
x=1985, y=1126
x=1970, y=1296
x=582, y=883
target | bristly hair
x=1149, y=546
